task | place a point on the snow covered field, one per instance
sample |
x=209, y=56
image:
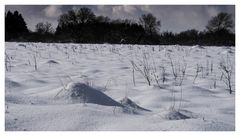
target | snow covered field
x=106, y=87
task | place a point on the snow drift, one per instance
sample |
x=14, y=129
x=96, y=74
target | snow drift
x=79, y=92
x=176, y=115
x=131, y=107
x=42, y=97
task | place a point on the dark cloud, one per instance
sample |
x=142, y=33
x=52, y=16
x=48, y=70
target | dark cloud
x=174, y=18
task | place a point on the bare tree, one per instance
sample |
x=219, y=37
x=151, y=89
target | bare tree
x=64, y=20
x=44, y=28
x=40, y=28
x=223, y=21
x=72, y=18
x=150, y=23
x=85, y=15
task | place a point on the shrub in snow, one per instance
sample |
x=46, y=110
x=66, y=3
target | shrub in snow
x=226, y=69
x=144, y=68
x=198, y=69
x=7, y=62
x=174, y=68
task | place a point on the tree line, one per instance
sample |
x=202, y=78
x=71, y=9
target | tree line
x=83, y=26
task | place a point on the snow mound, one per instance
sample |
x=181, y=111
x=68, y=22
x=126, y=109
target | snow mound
x=167, y=50
x=22, y=45
x=197, y=47
x=176, y=115
x=131, y=107
x=52, y=62
x=79, y=92
x=12, y=84
x=228, y=52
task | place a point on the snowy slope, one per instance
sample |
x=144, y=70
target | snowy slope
x=39, y=76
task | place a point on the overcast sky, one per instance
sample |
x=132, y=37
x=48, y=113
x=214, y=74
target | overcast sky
x=173, y=18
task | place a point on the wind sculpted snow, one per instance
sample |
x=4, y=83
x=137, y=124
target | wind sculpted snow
x=80, y=87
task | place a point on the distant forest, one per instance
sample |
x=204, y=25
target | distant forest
x=83, y=26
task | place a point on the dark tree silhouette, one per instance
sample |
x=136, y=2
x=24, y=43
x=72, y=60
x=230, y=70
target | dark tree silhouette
x=167, y=38
x=15, y=25
x=188, y=37
x=102, y=19
x=223, y=21
x=83, y=26
x=44, y=28
x=150, y=23
x=85, y=15
x=219, y=30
